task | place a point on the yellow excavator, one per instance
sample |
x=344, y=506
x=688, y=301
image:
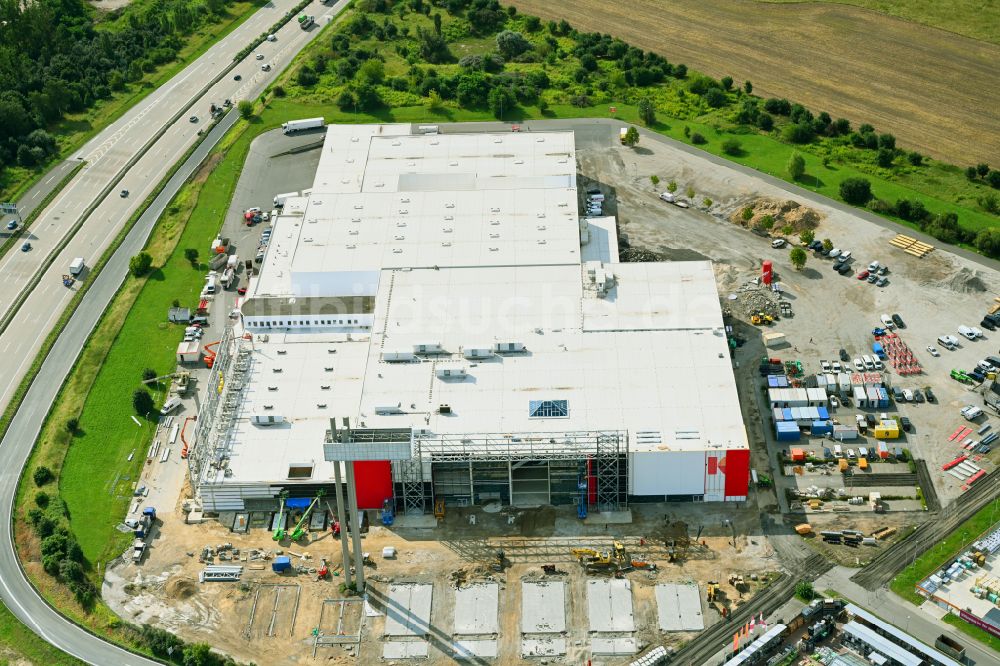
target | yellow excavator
x=593, y=558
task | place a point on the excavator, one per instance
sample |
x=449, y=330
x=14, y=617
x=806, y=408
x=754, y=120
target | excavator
x=279, y=531
x=302, y=526
x=594, y=559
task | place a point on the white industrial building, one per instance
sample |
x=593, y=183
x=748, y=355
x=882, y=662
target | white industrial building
x=472, y=338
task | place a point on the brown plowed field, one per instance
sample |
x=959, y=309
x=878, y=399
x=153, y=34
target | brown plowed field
x=938, y=92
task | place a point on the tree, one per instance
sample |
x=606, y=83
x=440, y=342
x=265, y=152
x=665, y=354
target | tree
x=437, y=24
x=884, y=157
x=982, y=169
x=796, y=166
x=42, y=499
x=245, y=107
x=732, y=146
x=988, y=241
x=804, y=591
x=697, y=139
x=654, y=179
x=715, y=98
x=747, y=214
x=307, y=77
x=198, y=654
x=970, y=173
x=798, y=258
x=993, y=178
x=807, y=236
x=434, y=103
x=887, y=141
x=142, y=402
x=42, y=475
x=689, y=192
x=672, y=186
x=727, y=82
x=148, y=374
x=371, y=72
x=140, y=264
x=747, y=87
x=191, y=254
x=827, y=244
x=631, y=136
x=72, y=425
x=915, y=158
x=856, y=191
x=512, y=44
x=501, y=100
x=647, y=112
x=767, y=222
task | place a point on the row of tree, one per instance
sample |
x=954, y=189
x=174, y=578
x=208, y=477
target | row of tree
x=55, y=59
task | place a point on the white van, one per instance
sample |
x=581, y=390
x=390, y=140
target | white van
x=170, y=405
x=967, y=332
x=76, y=267
x=869, y=362
x=838, y=451
x=211, y=283
x=878, y=363
x=948, y=341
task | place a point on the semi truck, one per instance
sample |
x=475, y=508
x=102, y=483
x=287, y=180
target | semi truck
x=300, y=125
x=279, y=200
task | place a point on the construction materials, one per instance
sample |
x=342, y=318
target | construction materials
x=911, y=245
x=220, y=573
x=803, y=528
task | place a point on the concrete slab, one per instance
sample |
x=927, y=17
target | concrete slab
x=613, y=646
x=609, y=518
x=476, y=609
x=609, y=605
x=415, y=522
x=404, y=650
x=543, y=607
x=408, y=610
x=542, y=647
x=474, y=649
x=678, y=607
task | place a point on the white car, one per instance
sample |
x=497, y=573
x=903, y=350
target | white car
x=260, y=56
x=860, y=418
x=835, y=366
x=825, y=365
x=873, y=267
x=908, y=395
x=667, y=196
x=844, y=256
x=967, y=332
x=933, y=350
x=272, y=38
x=887, y=322
x=834, y=253
x=834, y=402
x=985, y=366
x=778, y=242
x=859, y=365
x=265, y=68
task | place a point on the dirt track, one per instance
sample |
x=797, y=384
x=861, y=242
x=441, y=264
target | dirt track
x=939, y=93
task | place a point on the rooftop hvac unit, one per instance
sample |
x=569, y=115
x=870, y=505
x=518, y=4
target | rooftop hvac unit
x=428, y=348
x=476, y=352
x=266, y=419
x=508, y=347
x=451, y=373
x=444, y=409
x=389, y=409
x=398, y=356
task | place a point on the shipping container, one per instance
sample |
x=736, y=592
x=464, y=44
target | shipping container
x=842, y=463
x=798, y=455
x=887, y=429
x=863, y=463
x=787, y=431
x=821, y=428
x=844, y=432
x=883, y=450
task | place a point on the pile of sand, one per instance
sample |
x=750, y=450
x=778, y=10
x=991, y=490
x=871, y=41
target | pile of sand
x=966, y=281
x=180, y=588
x=785, y=213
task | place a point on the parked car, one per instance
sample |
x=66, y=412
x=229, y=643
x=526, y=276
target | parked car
x=918, y=395
x=948, y=341
x=881, y=282
x=887, y=321
x=930, y=394
x=844, y=269
x=967, y=332
x=898, y=321
x=242, y=291
x=815, y=245
x=859, y=365
x=873, y=267
x=985, y=366
x=778, y=242
x=988, y=325
x=863, y=275
x=933, y=350
x=905, y=422
x=844, y=356
x=844, y=256
x=897, y=394
x=835, y=366
x=872, y=278
x=834, y=253
x=882, y=270
x=870, y=418
x=908, y=395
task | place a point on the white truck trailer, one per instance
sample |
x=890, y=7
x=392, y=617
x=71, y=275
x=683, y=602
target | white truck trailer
x=279, y=200
x=299, y=125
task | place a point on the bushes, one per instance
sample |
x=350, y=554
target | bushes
x=42, y=475
x=856, y=191
x=140, y=264
x=697, y=139
x=732, y=146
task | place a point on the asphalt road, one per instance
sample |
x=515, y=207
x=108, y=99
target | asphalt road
x=107, y=157
x=34, y=196
x=15, y=590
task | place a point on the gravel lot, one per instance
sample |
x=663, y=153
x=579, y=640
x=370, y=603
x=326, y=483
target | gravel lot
x=933, y=295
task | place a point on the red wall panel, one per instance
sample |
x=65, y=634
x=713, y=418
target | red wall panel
x=373, y=482
x=737, y=473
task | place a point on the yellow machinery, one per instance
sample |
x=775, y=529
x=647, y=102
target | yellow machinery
x=500, y=561
x=711, y=587
x=593, y=558
x=620, y=553
x=439, y=509
x=756, y=320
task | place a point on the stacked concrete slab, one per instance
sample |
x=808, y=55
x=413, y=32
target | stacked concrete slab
x=543, y=618
x=476, y=621
x=407, y=621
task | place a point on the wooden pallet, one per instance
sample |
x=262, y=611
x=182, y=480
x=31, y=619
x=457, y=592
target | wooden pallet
x=911, y=245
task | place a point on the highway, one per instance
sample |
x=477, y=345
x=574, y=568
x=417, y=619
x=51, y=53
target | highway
x=118, y=158
x=115, y=152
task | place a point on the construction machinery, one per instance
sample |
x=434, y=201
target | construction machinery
x=210, y=354
x=594, y=559
x=439, y=509
x=279, y=530
x=500, y=561
x=179, y=385
x=711, y=590
x=301, y=527
x=388, y=514
x=620, y=553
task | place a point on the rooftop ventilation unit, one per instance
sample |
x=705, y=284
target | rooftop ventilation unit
x=389, y=409
x=508, y=347
x=477, y=352
x=443, y=409
x=428, y=348
x=398, y=356
x=266, y=419
x=451, y=373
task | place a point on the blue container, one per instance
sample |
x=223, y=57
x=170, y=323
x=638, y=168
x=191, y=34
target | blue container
x=787, y=431
x=883, y=397
x=822, y=427
x=281, y=563
x=822, y=413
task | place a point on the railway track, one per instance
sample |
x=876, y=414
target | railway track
x=894, y=559
x=719, y=635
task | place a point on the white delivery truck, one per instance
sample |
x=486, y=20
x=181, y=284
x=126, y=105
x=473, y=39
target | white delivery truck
x=299, y=125
x=279, y=200
x=76, y=267
x=233, y=262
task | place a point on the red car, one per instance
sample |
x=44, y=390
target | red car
x=862, y=275
x=242, y=291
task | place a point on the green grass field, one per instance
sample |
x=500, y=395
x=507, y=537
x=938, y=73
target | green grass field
x=19, y=646
x=979, y=19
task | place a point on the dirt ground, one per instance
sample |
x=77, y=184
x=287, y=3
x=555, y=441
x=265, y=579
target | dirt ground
x=933, y=295
x=851, y=62
x=164, y=588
